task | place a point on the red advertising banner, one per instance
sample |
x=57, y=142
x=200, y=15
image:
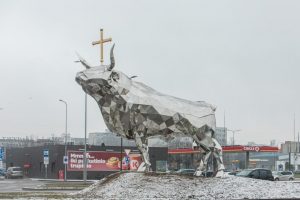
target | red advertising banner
x=103, y=161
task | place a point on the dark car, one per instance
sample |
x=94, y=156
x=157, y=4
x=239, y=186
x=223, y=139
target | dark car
x=2, y=172
x=189, y=172
x=232, y=173
x=264, y=174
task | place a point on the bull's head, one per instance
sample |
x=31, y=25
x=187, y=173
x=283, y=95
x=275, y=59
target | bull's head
x=98, y=81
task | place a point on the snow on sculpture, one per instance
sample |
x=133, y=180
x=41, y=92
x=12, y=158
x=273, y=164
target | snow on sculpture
x=136, y=111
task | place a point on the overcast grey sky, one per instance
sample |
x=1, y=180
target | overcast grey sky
x=242, y=56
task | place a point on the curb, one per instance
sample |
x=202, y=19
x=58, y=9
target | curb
x=51, y=189
x=57, y=180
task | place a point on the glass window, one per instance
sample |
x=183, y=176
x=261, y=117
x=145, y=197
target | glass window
x=263, y=174
x=244, y=172
x=269, y=173
x=17, y=169
x=255, y=174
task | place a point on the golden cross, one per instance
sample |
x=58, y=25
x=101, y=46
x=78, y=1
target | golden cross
x=101, y=42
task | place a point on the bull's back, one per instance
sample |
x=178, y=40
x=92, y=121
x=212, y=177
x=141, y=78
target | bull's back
x=166, y=104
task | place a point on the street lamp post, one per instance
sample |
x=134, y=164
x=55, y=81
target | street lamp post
x=233, y=132
x=121, y=164
x=85, y=131
x=66, y=133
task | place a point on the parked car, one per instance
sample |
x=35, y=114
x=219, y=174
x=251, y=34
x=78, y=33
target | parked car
x=189, y=172
x=264, y=174
x=232, y=173
x=2, y=172
x=283, y=176
x=14, y=172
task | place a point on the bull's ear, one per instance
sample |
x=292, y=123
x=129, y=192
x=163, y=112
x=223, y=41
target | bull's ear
x=131, y=77
x=112, y=58
x=115, y=76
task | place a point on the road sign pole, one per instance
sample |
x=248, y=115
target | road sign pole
x=46, y=167
x=46, y=160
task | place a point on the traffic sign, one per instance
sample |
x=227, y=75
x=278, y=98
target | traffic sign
x=1, y=153
x=46, y=160
x=46, y=156
x=65, y=160
x=46, y=152
x=126, y=158
x=127, y=151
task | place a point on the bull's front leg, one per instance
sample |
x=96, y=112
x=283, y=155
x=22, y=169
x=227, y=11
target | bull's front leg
x=141, y=144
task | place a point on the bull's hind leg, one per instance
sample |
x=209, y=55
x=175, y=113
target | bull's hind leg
x=212, y=147
x=204, y=144
x=202, y=168
x=218, y=157
x=141, y=144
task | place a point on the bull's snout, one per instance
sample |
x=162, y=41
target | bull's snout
x=80, y=78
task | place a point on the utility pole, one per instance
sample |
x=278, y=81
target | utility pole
x=294, y=127
x=295, y=145
x=290, y=156
x=225, y=132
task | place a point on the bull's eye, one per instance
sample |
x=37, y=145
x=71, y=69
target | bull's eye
x=115, y=76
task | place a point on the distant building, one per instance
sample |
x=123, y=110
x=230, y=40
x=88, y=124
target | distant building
x=273, y=143
x=251, y=144
x=255, y=144
x=156, y=142
x=181, y=142
x=221, y=135
x=63, y=138
x=290, y=146
x=27, y=142
x=108, y=139
x=178, y=142
x=77, y=141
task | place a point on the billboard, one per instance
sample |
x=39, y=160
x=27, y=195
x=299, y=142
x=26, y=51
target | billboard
x=103, y=161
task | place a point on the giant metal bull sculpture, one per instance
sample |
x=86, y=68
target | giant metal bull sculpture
x=136, y=111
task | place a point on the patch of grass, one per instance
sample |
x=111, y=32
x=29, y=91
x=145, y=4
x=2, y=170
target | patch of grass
x=297, y=175
x=68, y=184
x=13, y=195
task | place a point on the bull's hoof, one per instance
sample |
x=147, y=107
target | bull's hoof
x=220, y=174
x=144, y=167
x=198, y=173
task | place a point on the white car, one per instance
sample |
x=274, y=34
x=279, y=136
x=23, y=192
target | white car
x=14, y=172
x=283, y=176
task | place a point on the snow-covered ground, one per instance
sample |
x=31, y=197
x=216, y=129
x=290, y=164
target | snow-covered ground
x=167, y=186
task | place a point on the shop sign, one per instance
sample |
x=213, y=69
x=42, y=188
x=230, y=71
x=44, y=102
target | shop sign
x=251, y=148
x=102, y=161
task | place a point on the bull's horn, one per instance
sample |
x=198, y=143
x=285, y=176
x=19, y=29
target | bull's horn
x=83, y=62
x=112, y=58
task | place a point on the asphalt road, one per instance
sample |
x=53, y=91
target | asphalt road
x=16, y=185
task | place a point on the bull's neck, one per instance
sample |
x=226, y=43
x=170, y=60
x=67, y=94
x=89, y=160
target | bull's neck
x=109, y=105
